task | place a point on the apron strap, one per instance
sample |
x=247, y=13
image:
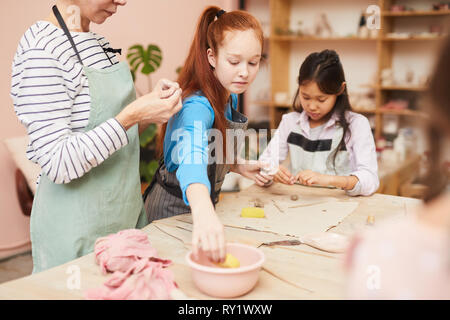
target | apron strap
x=69, y=36
x=66, y=31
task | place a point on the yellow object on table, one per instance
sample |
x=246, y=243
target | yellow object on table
x=230, y=262
x=252, y=213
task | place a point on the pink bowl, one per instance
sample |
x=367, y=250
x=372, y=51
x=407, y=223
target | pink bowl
x=227, y=282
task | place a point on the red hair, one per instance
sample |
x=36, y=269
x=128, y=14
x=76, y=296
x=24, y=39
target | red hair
x=197, y=74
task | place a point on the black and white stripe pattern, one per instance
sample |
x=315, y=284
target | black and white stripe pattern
x=51, y=98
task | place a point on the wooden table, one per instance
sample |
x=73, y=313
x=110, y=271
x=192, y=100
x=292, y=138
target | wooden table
x=295, y=272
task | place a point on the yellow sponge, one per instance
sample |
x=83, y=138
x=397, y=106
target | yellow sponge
x=230, y=262
x=252, y=213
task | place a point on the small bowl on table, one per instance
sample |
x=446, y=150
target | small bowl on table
x=220, y=282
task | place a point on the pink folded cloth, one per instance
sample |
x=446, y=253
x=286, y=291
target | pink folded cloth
x=119, y=251
x=149, y=283
x=138, y=273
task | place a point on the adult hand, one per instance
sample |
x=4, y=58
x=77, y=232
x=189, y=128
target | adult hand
x=165, y=88
x=283, y=175
x=157, y=106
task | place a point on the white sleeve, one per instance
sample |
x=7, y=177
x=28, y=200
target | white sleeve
x=43, y=103
x=362, y=146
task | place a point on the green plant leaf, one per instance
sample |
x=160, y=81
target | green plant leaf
x=148, y=170
x=150, y=59
x=148, y=135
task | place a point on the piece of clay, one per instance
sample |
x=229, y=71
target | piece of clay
x=230, y=262
x=370, y=220
x=269, y=171
x=252, y=213
x=258, y=203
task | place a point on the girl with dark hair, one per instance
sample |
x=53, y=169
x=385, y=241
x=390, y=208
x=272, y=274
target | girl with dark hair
x=329, y=145
x=222, y=62
x=410, y=258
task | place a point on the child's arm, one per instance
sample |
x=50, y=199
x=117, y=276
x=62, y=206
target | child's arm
x=191, y=155
x=207, y=230
x=365, y=166
x=308, y=178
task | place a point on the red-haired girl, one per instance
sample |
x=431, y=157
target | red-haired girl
x=223, y=61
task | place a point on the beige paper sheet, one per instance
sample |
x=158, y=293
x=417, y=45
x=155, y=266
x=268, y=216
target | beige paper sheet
x=285, y=217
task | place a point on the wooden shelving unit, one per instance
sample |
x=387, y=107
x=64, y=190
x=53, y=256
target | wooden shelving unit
x=418, y=13
x=280, y=50
x=297, y=38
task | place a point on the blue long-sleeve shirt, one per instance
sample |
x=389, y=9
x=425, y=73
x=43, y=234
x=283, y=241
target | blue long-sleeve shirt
x=186, y=141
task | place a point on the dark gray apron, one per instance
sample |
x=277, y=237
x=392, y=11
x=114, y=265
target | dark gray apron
x=163, y=197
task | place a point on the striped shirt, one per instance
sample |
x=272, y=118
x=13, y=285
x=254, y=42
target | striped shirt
x=51, y=98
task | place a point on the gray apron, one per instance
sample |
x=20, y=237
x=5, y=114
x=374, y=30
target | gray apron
x=66, y=219
x=317, y=155
x=163, y=197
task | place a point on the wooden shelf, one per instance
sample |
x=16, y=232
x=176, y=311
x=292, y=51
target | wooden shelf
x=294, y=38
x=360, y=110
x=403, y=112
x=281, y=49
x=298, y=38
x=413, y=38
x=394, y=88
x=402, y=88
x=415, y=13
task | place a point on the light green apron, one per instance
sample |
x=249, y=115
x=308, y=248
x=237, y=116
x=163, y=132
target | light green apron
x=66, y=219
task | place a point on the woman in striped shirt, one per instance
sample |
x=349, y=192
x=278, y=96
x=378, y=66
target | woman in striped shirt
x=78, y=105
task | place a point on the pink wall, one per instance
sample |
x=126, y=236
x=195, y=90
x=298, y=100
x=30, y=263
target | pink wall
x=169, y=24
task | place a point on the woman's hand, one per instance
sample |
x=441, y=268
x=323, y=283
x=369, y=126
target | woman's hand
x=208, y=233
x=165, y=88
x=157, y=106
x=284, y=176
x=308, y=178
x=252, y=170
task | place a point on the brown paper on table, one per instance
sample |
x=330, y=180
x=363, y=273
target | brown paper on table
x=299, y=221
x=281, y=218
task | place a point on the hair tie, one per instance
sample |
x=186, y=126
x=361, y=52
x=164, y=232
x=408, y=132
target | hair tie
x=221, y=12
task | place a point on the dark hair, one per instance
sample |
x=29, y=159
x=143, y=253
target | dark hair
x=326, y=70
x=197, y=74
x=438, y=106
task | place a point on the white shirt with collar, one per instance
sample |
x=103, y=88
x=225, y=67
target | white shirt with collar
x=359, y=143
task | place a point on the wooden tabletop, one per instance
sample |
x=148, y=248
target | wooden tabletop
x=290, y=272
